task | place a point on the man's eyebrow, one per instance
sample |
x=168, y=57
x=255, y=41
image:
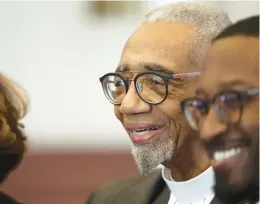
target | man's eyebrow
x=122, y=68
x=199, y=92
x=147, y=66
x=228, y=85
x=235, y=83
x=157, y=68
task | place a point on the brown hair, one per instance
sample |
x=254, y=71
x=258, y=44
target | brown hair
x=13, y=107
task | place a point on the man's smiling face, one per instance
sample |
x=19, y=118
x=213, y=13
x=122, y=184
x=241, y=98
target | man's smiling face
x=232, y=65
x=159, y=133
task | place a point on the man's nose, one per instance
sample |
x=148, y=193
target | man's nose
x=132, y=102
x=211, y=126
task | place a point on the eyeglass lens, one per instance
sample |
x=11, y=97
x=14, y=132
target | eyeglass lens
x=150, y=88
x=227, y=107
x=153, y=88
x=114, y=88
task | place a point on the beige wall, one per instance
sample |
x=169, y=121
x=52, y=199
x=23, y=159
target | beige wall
x=58, y=51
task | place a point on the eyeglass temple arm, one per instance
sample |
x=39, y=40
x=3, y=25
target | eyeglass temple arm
x=176, y=76
x=253, y=91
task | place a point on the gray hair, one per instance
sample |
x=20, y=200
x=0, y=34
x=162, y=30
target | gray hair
x=207, y=17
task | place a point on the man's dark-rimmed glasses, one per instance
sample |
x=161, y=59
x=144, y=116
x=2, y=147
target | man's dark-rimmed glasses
x=227, y=104
x=152, y=87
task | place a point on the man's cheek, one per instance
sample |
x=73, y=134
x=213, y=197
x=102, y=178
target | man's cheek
x=171, y=108
x=177, y=116
x=118, y=113
x=249, y=122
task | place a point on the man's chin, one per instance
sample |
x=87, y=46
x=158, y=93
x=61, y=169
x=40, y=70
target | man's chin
x=149, y=156
x=145, y=165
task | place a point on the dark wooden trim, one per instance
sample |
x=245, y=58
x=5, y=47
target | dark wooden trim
x=65, y=177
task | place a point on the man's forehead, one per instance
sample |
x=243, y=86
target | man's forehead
x=158, y=43
x=232, y=62
x=160, y=34
x=236, y=46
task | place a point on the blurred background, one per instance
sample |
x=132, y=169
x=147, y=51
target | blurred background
x=57, y=51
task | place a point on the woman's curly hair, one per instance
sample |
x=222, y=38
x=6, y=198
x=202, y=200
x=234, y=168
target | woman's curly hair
x=13, y=107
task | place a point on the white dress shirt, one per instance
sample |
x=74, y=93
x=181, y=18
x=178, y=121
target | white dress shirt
x=194, y=191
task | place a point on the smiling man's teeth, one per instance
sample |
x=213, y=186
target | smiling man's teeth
x=223, y=155
x=143, y=131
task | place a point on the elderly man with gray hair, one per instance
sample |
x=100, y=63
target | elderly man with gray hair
x=159, y=66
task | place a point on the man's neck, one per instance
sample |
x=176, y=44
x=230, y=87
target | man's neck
x=189, y=163
x=183, y=174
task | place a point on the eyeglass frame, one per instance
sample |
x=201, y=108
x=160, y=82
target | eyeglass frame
x=240, y=96
x=164, y=77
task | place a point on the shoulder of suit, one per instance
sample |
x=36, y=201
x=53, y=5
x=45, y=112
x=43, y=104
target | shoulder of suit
x=130, y=183
x=134, y=180
x=6, y=199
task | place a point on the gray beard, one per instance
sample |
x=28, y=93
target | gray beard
x=149, y=156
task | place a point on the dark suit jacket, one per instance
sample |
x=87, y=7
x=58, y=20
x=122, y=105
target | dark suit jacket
x=5, y=199
x=149, y=189
x=217, y=201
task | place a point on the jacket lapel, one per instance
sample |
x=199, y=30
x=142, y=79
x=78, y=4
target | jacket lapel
x=164, y=197
x=6, y=199
x=218, y=201
x=215, y=201
x=159, y=193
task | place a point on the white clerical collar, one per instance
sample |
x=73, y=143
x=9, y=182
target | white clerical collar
x=193, y=190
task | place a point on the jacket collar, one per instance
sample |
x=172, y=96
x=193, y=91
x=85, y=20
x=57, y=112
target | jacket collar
x=158, y=191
